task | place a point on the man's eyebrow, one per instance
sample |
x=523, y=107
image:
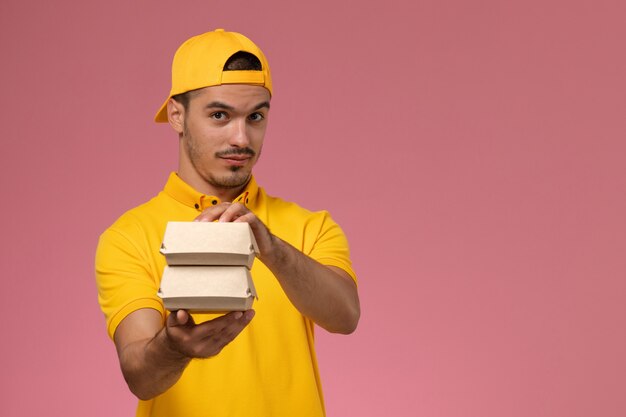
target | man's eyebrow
x=261, y=105
x=220, y=105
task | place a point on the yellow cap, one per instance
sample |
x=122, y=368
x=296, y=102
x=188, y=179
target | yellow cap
x=199, y=63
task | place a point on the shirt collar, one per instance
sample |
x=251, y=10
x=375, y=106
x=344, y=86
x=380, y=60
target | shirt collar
x=187, y=195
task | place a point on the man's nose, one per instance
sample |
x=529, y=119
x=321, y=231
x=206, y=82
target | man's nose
x=239, y=136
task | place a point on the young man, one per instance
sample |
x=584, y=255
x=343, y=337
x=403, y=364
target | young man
x=259, y=362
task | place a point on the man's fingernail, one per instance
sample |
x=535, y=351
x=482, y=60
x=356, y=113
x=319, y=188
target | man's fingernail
x=238, y=315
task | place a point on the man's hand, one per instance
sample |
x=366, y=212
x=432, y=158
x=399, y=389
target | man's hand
x=205, y=339
x=153, y=356
x=237, y=212
x=325, y=294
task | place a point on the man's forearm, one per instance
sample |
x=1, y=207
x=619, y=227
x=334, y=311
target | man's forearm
x=153, y=357
x=151, y=367
x=326, y=295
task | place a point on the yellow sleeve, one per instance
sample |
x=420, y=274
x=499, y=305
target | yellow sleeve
x=328, y=243
x=124, y=279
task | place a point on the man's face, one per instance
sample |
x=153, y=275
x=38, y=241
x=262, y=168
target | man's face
x=222, y=133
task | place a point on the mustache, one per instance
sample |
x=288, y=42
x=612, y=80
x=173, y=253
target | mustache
x=236, y=151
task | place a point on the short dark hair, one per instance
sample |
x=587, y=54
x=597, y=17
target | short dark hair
x=243, y=61
x=239, y=61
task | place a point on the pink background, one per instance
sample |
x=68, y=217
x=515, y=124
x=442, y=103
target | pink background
x=473, y=151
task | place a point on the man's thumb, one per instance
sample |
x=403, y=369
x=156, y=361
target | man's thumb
x=178, y=318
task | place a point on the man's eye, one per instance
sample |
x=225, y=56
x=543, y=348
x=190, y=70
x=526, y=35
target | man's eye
x=256, y=117
x=218, y=115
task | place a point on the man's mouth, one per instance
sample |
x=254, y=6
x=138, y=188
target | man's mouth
x=236, y=157
x=236, y=153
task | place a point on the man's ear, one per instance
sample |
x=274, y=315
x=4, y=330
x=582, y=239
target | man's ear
x=176, y=115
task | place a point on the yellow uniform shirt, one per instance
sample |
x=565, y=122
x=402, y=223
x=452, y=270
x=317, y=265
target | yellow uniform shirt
x=270, y=369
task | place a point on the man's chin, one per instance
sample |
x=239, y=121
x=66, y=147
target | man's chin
x=236, y=179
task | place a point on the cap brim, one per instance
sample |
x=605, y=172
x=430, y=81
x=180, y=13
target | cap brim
x=161, y=116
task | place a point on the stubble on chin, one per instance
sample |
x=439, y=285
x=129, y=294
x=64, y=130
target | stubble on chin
x=235, y=180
